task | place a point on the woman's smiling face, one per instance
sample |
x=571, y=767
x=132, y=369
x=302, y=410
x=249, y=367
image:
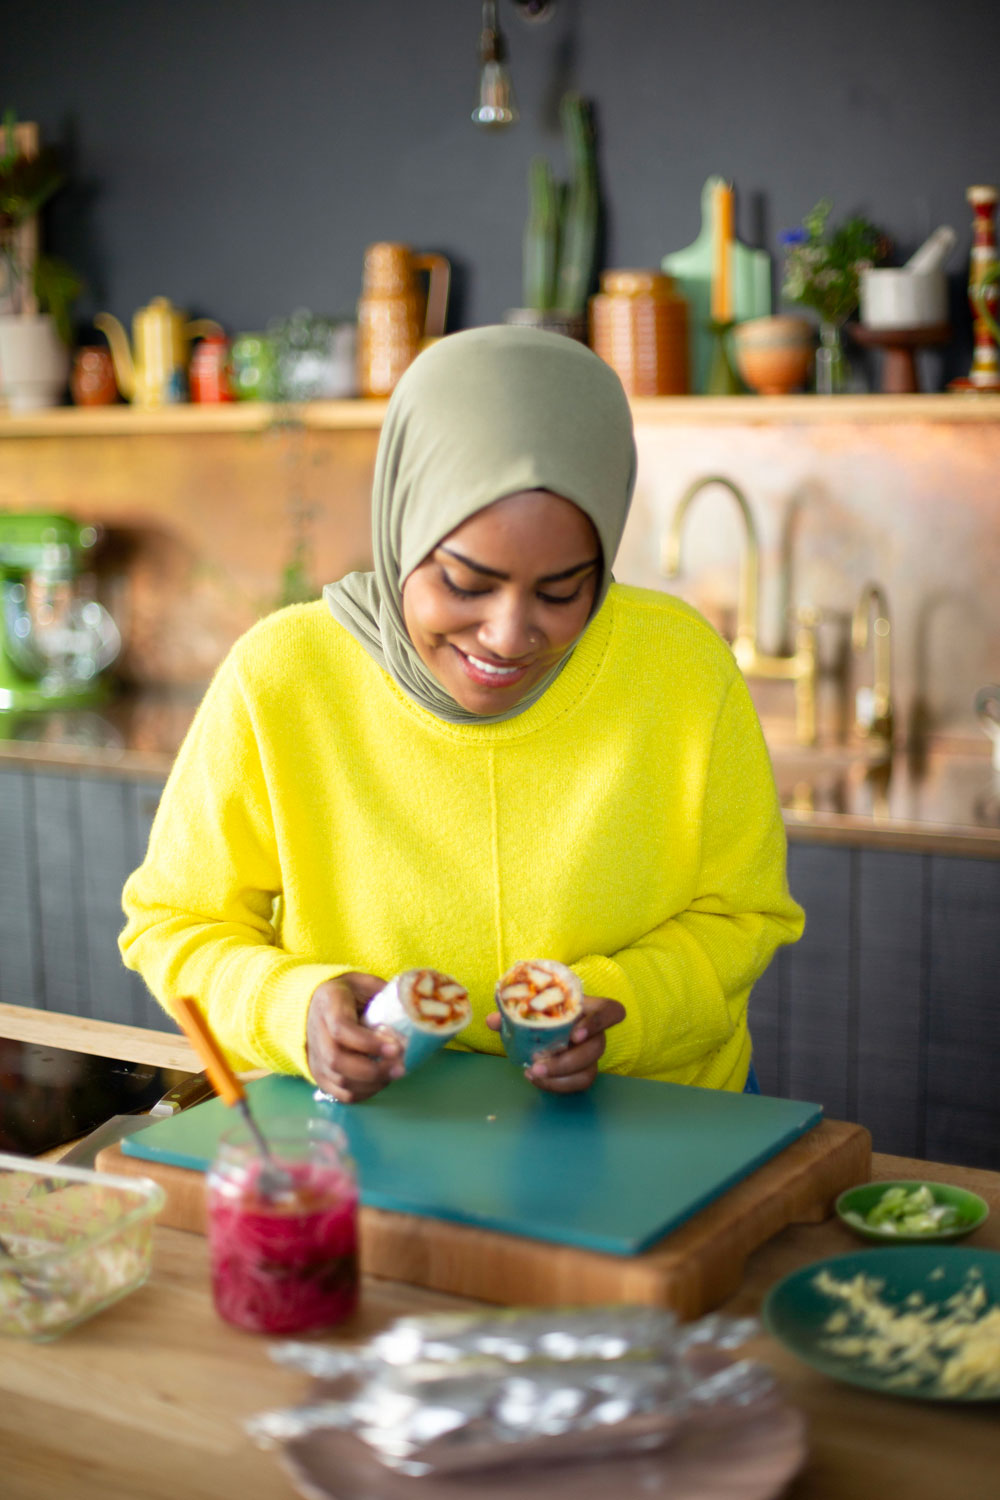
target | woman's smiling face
x=503, y=597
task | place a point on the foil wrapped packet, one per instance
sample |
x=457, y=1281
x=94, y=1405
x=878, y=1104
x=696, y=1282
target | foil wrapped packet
x=452, y=1392
x=515, y=1336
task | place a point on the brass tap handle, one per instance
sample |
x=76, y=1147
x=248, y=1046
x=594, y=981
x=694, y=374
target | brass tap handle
x=873, y=706
x=806, y=673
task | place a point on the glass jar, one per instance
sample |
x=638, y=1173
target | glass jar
x=284, y=1257
x=831, y=362
x=253, y=374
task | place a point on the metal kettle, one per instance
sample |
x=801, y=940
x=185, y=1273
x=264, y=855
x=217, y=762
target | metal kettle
x=153, y=371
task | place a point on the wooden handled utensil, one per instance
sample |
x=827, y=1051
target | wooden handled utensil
x=273, y=1179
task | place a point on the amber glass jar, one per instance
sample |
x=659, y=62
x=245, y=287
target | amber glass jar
x=639, y=325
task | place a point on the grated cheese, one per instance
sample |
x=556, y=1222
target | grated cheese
x=952, y=1347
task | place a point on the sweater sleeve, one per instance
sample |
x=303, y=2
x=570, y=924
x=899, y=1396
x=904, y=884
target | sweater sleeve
x=200, y=910
x=685, y=985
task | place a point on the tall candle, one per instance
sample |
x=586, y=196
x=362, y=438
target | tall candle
x=722, y=238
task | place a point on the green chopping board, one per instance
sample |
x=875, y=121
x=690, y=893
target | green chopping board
x=692, y=269
x=467, y=1139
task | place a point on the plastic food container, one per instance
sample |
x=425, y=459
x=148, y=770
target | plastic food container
x=284, y=1261
x=74, y=1241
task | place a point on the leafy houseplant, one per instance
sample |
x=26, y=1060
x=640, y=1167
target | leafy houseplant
x=823, y=271
x=560, y=235
x=27, y=182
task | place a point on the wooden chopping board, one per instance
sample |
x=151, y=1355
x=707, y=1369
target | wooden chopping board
x=692, y=1270
x=686, y=1150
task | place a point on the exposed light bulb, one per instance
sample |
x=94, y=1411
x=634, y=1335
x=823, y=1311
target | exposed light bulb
x=496, y=107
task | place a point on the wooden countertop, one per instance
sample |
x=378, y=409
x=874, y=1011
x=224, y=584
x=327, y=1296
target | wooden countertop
x=148, y=1398
x=947, y=801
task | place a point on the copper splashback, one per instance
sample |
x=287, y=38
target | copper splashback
x=202, y=528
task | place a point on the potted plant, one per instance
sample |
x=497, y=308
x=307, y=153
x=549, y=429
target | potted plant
x=36, y=291
x=823, y=271
x=560, y=235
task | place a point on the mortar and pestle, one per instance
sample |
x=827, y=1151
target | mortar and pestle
x=905, y=308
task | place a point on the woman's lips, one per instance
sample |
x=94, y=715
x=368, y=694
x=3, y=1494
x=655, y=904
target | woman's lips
x=491, y=674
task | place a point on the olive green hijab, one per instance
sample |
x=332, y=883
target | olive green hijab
x=477, y=416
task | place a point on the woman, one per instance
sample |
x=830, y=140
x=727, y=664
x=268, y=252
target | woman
x=482, y=752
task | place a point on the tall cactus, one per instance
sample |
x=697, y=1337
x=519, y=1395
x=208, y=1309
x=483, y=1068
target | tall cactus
x=541, y=237
x=560, y=236
x=579, y=225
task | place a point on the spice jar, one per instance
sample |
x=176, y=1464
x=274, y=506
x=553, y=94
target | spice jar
x=92, y=379
x=639, y=326
x=208, y=373
x=284, y=1257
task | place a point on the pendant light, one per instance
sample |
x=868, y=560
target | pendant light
x=496, y=108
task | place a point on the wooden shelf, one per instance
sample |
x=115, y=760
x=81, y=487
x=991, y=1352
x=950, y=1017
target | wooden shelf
x=649, y=411
x=656, y=411
x=235, y=416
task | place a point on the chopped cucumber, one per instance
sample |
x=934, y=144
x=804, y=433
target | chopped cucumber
x=908, y=1211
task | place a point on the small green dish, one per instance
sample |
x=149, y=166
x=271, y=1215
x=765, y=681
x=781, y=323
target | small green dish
x=854, y=1203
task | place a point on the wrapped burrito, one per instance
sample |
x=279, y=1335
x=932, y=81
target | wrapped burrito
x=540, y=1001
x=424, y=1008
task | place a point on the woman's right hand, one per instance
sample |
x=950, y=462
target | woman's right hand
x=348, y=1060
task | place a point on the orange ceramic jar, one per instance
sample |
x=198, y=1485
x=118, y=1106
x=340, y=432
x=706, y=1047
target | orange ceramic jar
x=639, y=326
x=395, y=316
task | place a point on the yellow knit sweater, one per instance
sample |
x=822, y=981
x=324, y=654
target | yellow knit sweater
x=318, y=821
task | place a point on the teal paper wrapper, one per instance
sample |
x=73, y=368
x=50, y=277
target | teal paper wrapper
x=387, y=1009
x=524, y=1042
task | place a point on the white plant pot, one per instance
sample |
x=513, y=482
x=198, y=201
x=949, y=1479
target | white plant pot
x=34, y=362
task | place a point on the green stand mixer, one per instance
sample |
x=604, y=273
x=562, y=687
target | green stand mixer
x=54, y=641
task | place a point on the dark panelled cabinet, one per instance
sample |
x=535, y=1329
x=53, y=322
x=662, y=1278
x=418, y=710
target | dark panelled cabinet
x=887, y=1011
x=68, y=841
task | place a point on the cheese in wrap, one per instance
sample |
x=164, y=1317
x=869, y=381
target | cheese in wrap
x=424, y=1008
x=540, y=1001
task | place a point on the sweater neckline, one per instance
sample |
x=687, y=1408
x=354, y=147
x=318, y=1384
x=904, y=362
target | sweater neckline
x=568, y=689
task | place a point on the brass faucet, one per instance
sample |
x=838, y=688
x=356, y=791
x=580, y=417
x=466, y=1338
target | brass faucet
x=873, y=711
x=801, y=665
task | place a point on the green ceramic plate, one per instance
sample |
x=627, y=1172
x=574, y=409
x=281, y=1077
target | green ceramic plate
x=972, y=1211
x=796, y=1311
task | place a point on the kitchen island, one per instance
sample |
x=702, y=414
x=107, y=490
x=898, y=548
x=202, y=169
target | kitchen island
x=147, y=1400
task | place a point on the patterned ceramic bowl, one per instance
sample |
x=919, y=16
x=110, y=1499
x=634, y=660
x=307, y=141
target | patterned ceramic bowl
x=774, y=355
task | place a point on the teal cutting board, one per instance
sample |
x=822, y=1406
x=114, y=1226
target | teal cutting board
x=466, y=1138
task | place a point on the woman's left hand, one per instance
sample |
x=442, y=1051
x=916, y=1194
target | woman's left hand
x=575, y=1067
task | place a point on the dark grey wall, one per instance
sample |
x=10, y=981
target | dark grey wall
x=238, y=155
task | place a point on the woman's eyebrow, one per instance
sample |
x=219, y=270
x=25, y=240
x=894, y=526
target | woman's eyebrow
x=592, y=562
